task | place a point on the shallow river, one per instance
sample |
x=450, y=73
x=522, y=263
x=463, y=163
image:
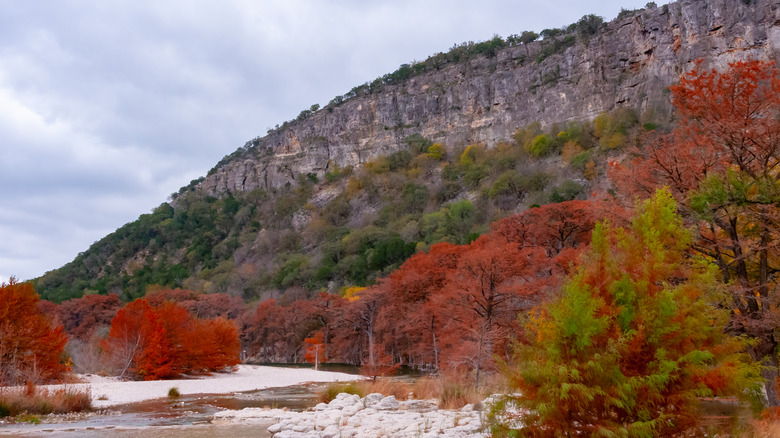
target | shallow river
x=187, y=416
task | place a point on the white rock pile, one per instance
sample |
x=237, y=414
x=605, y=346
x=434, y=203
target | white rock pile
x=374, y=415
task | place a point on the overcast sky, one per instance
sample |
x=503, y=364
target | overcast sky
x=107, y=107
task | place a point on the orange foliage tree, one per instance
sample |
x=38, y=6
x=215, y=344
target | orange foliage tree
x=458, y=302
x=80, y=316
x=632, y=342
x=165, y=342
x=481, y=299
x=721, y=164
x=30, y=346
x=315, y=350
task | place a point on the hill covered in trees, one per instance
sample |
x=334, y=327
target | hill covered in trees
x=433, y=152
x=615, y=265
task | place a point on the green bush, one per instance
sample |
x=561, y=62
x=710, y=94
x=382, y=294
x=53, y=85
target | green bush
x=399, y=160
x=436, y=152
x=510, y=183
x=580, y=161
x=418, y=144
x=536, y=182
x=567, y=191
x=332, y=390
x=474, y=174
x=540, y=146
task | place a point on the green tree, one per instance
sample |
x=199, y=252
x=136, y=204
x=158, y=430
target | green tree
x=633, y=340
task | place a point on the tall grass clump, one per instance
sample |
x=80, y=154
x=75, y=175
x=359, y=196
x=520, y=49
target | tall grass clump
x=332, y=390
x=40, y=401
x=386, y=387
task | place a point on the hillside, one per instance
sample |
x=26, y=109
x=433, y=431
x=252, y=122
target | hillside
x=432, y=152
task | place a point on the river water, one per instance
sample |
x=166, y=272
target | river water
x=190, y=416
x=187, y=416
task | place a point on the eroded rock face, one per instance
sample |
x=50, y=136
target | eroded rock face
x=629, y=63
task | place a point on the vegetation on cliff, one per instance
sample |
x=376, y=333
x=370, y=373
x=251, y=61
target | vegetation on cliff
x=354, y=226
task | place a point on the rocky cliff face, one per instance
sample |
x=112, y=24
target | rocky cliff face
x=630, y=62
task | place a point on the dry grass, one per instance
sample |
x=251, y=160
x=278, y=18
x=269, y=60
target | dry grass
x=765, y=429
x=32, y=400
x=332, y=390
x=767, y=426
x=453, y=392
x=386, y=387
x=174, y=392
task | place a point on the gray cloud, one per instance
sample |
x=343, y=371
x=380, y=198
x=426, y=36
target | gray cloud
x=108, y=107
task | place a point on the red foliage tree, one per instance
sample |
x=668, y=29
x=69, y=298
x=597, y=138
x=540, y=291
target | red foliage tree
x=315, y=350
x=259, y=333
x=223, y=346
x=481, y=300
x=165, y=342
x=457, y=301
x=408, y=291
x=80, y=316
x=721, y=165
x=30, y=346
x=156, y=359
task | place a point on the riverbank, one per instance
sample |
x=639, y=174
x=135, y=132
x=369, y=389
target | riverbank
x=109, y=391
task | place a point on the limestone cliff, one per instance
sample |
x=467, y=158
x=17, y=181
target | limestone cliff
x=629, y=62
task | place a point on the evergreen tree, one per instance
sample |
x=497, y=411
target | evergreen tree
x=632, y=342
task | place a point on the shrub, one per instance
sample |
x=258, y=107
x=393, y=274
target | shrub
x=174, y=392
x=567, y=191
x=536, y=182
x=471, y=155
x=418, y=144
x=399, y=160
x=332, y=390
x=540, y=145
x=43, y=401
x=436, y=152
x=450, y=173
x=508, y=184
x=474, y=174
x=612, y=128
x=570, y=150
x=580, y=160
x=524, y=136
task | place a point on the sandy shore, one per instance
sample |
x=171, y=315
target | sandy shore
x=108, y=391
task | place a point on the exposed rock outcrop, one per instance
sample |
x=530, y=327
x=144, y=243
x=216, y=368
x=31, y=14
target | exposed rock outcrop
x=349, y=415
x=630, y=62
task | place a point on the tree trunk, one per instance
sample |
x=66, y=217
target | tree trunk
x=770, y=373
x=371, y=360
x=479, y=358
x=435, y=351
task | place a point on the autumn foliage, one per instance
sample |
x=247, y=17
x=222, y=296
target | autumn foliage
x=451, y=308
x=166, y=341
x=30, y=345
x=315, y=350
x=81, y=316
x=631, y=343
x=721, y=164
